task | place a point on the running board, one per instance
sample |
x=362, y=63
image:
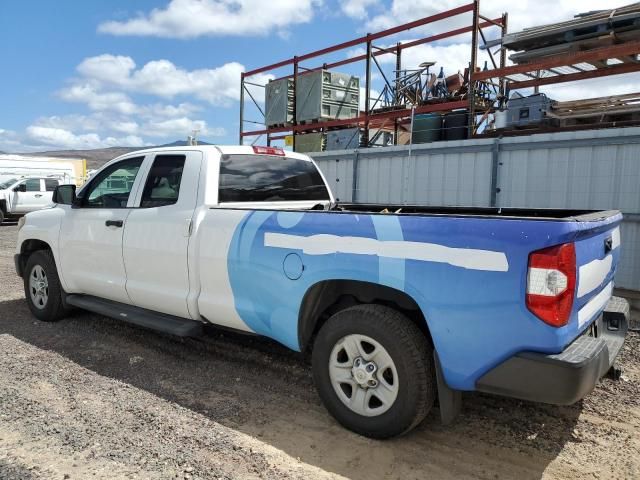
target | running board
x=180, y=327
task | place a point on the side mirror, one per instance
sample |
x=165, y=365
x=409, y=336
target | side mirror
x=21, y=188
x=64, y=194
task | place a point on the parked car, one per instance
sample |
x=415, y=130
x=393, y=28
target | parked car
x=396, y=305
x=19, y=196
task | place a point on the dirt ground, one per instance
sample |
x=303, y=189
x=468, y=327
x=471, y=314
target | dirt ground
x=89, y=397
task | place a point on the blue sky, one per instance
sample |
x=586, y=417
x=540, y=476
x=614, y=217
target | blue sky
x=89, y=74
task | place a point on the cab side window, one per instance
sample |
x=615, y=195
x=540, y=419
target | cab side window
x=112, y=187
x=50, y=184
x=32, y=185
x=162, y=187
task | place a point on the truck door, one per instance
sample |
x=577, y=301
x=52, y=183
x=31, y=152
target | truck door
x=92, y=231
x=28, y=196
x=156, y=236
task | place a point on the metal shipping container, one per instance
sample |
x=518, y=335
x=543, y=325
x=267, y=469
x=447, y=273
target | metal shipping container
x=325, y=95
x=278, y=102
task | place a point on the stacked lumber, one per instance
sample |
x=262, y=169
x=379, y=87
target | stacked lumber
x=585, y=32
x=616, y=108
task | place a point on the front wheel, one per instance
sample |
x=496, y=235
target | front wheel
x=42, y=287
x=374, y=371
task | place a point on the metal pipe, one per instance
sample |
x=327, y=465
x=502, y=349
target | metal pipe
x=503, y=59
x=241, y=136
x=295, y=98
x=396, y=99
x=472, y=66
x=367, y=88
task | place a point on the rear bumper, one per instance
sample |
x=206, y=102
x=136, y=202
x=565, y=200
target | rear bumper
x=566, y=377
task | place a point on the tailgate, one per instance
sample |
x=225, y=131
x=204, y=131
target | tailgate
x=597, y=246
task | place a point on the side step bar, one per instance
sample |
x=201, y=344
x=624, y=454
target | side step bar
x=180, y=327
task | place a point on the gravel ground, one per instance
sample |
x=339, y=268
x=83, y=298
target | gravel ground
x=89, y=397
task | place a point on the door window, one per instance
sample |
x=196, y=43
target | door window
x=162, y=187
x=112, y=187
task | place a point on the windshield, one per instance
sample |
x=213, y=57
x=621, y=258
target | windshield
x=7, y=183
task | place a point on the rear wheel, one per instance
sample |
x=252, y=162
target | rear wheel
x=374, y=371
x=42, y=287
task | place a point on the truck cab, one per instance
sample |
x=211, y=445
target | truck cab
x=19, y=196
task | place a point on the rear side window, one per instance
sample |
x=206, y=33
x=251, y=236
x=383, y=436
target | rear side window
x=163, y=183
x=33, y=185
x=264, y=178
x=50, y=184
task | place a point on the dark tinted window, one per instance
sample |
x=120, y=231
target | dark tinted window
x=163, y=183
x=112, y=187
x=33, y=185
x=264, y=178
x=50, y=184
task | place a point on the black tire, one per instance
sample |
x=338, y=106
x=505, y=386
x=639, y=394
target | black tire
x=53, y=310
x=1, y=216
x=412, y=356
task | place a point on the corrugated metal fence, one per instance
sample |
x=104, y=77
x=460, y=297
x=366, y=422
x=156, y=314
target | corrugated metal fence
x=595, y=169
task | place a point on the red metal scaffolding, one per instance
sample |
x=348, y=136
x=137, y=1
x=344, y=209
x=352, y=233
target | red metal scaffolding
x=368, y=118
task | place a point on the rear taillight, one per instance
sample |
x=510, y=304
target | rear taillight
x=268, y=151
x=551, y=282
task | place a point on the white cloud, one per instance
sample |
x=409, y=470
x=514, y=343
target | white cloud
x=522, y=14
x=96, y=100
x=181, y=127
x=65, y=139
x=216, y=86
x=195, y=18
x=357, y=8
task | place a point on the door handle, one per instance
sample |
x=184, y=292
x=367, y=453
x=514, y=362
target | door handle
x=114, y=223
x=38, y=195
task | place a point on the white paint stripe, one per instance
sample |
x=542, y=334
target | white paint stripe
x=592, y=274
x=428, y=252
x=595, y=305
x=615, y=238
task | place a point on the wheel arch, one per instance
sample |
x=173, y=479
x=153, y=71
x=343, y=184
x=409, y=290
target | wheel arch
x=327, y=297
x=29, y=246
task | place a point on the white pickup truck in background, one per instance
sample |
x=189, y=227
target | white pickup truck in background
x=19, y=196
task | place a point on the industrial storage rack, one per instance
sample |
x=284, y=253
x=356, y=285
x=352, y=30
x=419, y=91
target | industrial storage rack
x=369, y=119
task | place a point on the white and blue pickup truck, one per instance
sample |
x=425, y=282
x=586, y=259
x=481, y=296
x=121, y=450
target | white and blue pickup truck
x=397, y=306
x=23, y=195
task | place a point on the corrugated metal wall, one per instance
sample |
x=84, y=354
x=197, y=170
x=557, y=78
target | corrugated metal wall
x=596, y=169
